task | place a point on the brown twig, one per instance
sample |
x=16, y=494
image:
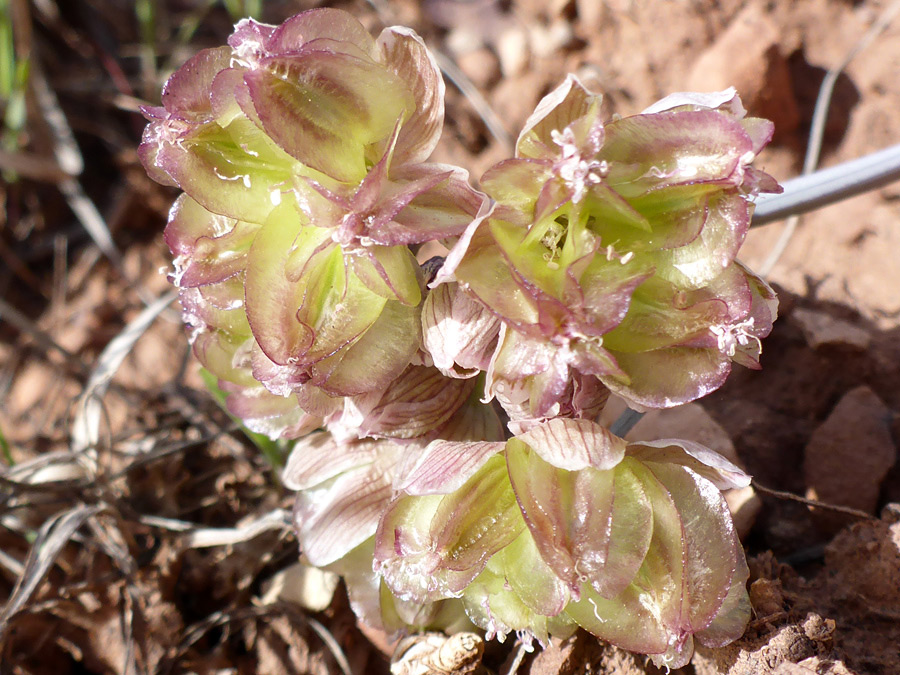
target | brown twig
x=790, y=496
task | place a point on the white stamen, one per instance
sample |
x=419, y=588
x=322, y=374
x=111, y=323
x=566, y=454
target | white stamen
x=729, y=337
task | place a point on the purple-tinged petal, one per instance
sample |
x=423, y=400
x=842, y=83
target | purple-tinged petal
x=756, y=181
x=249, y=37
x=417, y=403
x=606, y=289
x=389, y=271
x=516, y=183
x=707, y=534
x=697, y=263
x=406, y=55
x=316, y=24
x=590, y=526
x=441, y=205
x=459, y=332
x=731, y=620
x=758, y=321
x=324, y=108
x=443, y=466
x=281, y=380
x=646, y=152
x=557, y=110
x=186, y=93
x=574, y=444
x=760, y=132
x=668, y=377
x=651, y=615
x=201, y=314
x=706, y=463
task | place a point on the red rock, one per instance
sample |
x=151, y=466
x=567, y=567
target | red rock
x=850, y=453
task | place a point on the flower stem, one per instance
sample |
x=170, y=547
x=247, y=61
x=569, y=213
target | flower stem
x=821, y=188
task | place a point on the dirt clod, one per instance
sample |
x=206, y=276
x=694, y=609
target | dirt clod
x=849, y=454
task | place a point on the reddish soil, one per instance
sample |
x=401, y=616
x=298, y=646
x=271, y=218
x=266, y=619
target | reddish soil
x=122, y=586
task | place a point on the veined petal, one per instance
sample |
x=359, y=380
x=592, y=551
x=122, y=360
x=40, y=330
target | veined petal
x=574, y=444
x=373, y=360
x=324, y=108
x=320, y=457
x=335, y=517
x=406, y=55
x=646, y=152
x=698, y=458
x=444, y=466
x=416, y=404
x=432, y=547
x=458, y=331
x=557, y=110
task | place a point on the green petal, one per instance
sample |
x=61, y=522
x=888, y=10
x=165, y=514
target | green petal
x=432, y=547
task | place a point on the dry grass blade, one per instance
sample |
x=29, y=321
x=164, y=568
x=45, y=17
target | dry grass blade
x=11, y=564
x=54, y=534
x=194, y=633
x=279, y=519
x=479, y=104
x=41, y=338
x=88, y=412
x=332, y=644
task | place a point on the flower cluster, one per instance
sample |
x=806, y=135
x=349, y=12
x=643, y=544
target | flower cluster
x=447, y=460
